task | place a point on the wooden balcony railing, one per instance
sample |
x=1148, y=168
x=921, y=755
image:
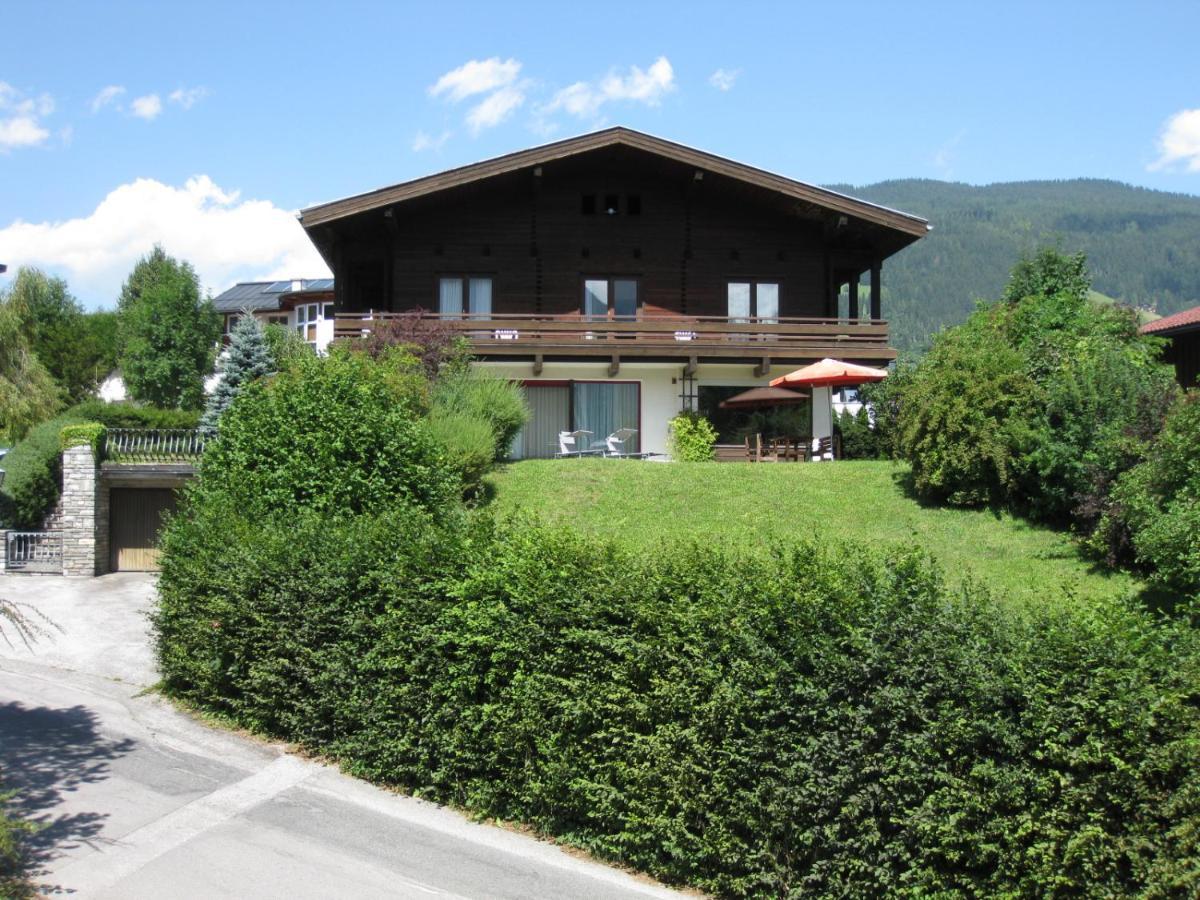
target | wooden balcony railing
x=511, y=334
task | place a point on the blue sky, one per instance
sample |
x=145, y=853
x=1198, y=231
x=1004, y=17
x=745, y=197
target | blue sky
x=221, y=119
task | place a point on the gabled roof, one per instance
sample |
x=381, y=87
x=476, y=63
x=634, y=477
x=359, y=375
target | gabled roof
x=619, y=136
x=258, y=296
x=1188, y=320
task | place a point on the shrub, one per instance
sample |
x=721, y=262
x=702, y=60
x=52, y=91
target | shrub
x=469, y=443
x=692, y=437
x=435, y=342
x=813, y=722
x=134, y=415
x=1155, y=509
x=89, y=434
x=859, y=440
x=485, y=397
x=1038, y=401
x=284, y=345
x=33, y=474
x=340, y=433
x=966, y=417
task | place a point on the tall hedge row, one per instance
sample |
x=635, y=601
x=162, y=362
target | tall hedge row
x=809, y=723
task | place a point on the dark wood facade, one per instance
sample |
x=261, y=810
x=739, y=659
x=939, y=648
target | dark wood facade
x=612, y=205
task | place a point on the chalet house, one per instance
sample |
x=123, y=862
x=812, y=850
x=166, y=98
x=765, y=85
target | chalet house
x=618, y=276
x=1182, y=332
x=305, y=305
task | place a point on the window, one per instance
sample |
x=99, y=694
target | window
x=588, y=205
x=307, y=316
x=610, y=298
x=612, y=204
x=477, y=293
x=230, y=322
x=754, y=300
x=277, y=320
x=633, y=205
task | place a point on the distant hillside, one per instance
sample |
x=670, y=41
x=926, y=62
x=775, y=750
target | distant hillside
x=1143, y=246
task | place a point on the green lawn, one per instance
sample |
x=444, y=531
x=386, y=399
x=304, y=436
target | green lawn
x=641, y=503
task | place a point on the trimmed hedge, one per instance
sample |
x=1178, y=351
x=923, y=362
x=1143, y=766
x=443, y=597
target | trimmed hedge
x=89, y=434
x=33, y=481
x=809, y=723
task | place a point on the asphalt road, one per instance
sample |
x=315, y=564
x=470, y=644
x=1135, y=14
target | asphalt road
x=138, y=800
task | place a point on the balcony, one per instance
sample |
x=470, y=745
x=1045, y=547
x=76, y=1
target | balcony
x=692, y=339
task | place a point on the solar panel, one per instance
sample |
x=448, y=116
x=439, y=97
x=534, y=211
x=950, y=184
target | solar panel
x=278, y=287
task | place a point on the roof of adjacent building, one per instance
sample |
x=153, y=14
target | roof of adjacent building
x=1188, y=320
x=258, y=296
x=618, y=136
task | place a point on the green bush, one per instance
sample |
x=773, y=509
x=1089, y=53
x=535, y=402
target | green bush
x=89, y=434
x=33, y=480
x=1155, y=509
x=13, y=881
x=468, y=442
x=812, y=722
x=692, y=437
x=133, y=415
x=340, y=433
x=1038, y=401
x=33, y=474
x=967, y=417
x=859, y=440
x=481, y=395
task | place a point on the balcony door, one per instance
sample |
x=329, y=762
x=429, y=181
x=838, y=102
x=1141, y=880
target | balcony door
x=610, y=298
x=477, y=293
x=754, y=301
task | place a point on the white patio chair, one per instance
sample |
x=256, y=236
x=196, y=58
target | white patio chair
x=574, y=443
x=616, y=442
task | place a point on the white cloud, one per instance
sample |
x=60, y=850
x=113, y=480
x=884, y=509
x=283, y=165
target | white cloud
x=147, y=107
x=723, y=79
x=21, y=118
x=188, y=97
x=106, y=96
x=423, y=141
x=1179, y=142
x=944, y=156
x=585, y=99
x=476, y=77
x=498, y=106
x=226, y=238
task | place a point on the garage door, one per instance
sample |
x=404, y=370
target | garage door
x=136, y=517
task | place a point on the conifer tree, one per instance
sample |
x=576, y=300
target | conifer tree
x=248, y=358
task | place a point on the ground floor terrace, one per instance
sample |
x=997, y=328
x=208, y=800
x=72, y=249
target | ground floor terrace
x=581, y=396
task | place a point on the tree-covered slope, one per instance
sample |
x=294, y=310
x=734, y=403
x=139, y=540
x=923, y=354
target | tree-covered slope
x=1143, y=246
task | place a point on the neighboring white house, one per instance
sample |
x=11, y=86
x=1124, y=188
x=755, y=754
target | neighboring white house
x=303, y=304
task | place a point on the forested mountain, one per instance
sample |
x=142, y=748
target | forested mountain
x=1143, y=246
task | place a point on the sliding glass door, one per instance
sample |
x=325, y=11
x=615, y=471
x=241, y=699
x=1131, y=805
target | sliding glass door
x=610, y=298
x=603, y=408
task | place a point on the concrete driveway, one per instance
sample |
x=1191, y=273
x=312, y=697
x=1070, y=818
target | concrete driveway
x=139, y=800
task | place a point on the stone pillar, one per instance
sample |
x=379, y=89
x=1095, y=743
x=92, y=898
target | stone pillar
x=80, y=508
x=3, y=551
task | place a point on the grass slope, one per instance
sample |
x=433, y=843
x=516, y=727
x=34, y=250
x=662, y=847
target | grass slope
x=641, y=504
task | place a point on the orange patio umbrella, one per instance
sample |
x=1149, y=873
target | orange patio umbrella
x=829, y=373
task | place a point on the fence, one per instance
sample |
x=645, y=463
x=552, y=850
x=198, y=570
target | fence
x=34, y=551
x=153, y=444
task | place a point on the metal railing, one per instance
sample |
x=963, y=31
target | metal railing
x=153, y=444
x=34, y=551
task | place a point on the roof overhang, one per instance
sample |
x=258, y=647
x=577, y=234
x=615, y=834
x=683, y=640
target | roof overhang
x=326, y=213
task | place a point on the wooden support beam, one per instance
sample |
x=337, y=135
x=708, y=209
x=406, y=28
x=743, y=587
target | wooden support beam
x=615, y=366
x=537, y=364
x=853, y=310
x=763, y=367
x=876, y=305
x=692, y=364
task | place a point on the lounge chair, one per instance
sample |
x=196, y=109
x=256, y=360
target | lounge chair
x=616, y=442
x=573, y=443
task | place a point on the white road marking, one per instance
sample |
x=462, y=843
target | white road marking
x=126, y=855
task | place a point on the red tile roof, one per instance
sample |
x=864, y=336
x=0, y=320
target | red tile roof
x=1187, y=320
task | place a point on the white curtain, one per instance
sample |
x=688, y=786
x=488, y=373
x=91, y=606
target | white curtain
x=603, y=407
x=481, y=298
x=768, y=302
x=450, y=297
x=549, y=408
x=739, y=301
